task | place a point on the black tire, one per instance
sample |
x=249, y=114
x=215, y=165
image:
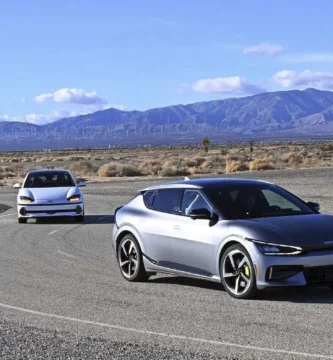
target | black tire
x=139, y=272
x=22, y=220
x=238, y=253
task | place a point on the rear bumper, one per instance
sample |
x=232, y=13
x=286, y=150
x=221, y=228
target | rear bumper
x=54, y=210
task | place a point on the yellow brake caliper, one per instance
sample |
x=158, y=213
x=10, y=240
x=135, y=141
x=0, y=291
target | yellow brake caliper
x=247, y=270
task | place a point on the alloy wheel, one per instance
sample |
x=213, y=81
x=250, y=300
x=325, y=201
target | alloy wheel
x=128, y=258
x=236, y=272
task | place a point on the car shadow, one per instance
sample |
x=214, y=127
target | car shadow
x=311, y=295
x=88, y=220
x=178, y=280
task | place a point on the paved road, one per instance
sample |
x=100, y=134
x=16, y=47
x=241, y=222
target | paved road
x=62, y=296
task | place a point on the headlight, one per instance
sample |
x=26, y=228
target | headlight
x=74, y=198
x=26, y=199
x=276, y=249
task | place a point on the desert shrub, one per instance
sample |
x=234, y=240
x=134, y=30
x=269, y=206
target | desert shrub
x=261, y=164
x=214, y=162
x=114, y=169
x=236, y=165
x=193, y=162
x=83, y=167
x=76, y=158
x=7, y=175
x=174, y=171
x=150, y=167
x=292, y=159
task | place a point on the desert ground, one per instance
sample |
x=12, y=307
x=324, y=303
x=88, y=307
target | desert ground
x=102, y=164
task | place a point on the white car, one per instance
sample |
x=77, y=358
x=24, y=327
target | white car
x=49, y=193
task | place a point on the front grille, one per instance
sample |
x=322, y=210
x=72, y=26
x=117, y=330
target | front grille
x=50, y=211
x=318, y=274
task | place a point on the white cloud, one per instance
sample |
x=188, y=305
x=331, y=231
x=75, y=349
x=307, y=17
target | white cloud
x=264, y=48
x=228, y=85
x=74, y=96
x=308, y=57
x=304, y=79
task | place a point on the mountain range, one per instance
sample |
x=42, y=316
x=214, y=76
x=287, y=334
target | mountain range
x=303, y=112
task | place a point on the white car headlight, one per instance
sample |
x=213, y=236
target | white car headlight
x=26, y=199
x=74, y=198
x=276, y=249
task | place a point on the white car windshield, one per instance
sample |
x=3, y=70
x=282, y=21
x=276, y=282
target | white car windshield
x=49, y=179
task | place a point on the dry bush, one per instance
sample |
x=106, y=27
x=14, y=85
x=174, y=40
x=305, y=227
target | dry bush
x=43, y=159
x=114, y=169
x=262, y=164
x=75, y=158
x=236, y=165
x=193, y=162
x=83, y=168
x=7, y=175
x=150, y=167
x=292, y=159
x=174, y=171
x=214, y=162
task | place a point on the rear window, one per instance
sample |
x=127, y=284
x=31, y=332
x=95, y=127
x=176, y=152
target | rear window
x=168, y=201
x=148, y=198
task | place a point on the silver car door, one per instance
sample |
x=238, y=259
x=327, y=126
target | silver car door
x=193, y=242
x=156, y=225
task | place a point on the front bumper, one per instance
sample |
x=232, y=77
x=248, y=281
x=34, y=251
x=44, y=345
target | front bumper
x=52, y=210
x=315, y=268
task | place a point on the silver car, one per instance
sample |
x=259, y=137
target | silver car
x=247, y=234
x=48, y=194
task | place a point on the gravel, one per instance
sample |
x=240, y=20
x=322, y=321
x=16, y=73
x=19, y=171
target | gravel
x=18, y=341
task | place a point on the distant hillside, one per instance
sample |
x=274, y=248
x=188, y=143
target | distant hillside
x=307, y=112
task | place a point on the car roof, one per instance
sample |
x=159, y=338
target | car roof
x=48, y=171
x=204, y=183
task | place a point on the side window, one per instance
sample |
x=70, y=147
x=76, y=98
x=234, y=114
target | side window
x=193, y=200
x=148, y=198
x=168, y=201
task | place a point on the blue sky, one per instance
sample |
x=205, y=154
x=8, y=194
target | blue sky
x=62, y=58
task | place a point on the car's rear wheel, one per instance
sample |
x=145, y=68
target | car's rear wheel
x=237, y=273
x=22, y=220
x=130, y=260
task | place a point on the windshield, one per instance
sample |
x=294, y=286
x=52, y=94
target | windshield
x=248, y=201
x=49, y=179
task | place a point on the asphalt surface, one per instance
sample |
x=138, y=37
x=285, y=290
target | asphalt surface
x=62, y=295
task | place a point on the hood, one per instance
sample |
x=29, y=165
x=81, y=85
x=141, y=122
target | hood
x=57, y=194
x=306, y=231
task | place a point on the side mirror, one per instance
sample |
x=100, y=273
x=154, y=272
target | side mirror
x=314, y=205
x=200, y=214
x=17, y=186
x=81, y=183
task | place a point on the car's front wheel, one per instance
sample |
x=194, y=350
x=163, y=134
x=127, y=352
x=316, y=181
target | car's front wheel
x=237, y=273
x=130, y=260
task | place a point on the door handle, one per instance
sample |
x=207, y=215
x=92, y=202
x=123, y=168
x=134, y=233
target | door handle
x=176, y=227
